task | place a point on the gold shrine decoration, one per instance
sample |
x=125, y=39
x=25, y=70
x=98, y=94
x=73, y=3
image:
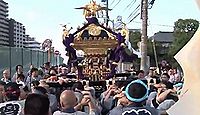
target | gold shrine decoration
x=66, y=31
x=95, y=51
x=95, y=46
x=91, y=9
x=94, y=30
x=124, y=31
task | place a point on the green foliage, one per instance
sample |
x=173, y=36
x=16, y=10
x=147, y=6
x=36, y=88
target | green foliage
x=183, y=31
x=186, y=26
x=134, y=38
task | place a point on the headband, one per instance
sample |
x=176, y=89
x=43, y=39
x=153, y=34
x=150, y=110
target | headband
x=136, y=99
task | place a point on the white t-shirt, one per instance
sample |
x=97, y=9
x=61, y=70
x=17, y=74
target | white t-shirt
x=75, y=113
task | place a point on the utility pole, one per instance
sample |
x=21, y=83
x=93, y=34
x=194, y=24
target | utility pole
x=107, y=17
x=144, y=16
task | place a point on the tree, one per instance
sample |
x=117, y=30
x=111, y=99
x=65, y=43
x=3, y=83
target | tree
x=135, y=37
x=183, y=31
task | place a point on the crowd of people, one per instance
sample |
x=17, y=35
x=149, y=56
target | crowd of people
x=32, y=92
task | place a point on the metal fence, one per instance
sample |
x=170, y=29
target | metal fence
x=11, y=56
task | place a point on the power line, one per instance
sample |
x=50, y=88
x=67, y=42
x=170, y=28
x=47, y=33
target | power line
x=150, y=5
x=130, y=5
x=133, y=15
x=163, y=25
x=134, y=11
x=112, y=2
x=150, y=26
x=117, y=4
x=134, y=18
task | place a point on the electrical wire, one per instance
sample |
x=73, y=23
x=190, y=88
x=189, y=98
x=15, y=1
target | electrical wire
x=112, y=2
x=134, y=11
x=134, y=17
x=117, y=4
x=163, y=25
x=150, y=5
x=130, y=5
x=150, y=27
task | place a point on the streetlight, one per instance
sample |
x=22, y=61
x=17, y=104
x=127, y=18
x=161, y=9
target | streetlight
x=57, y=56
x=155, y=53
x=46, y=45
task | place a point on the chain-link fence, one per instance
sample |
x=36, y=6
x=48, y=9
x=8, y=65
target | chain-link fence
x=11, y=56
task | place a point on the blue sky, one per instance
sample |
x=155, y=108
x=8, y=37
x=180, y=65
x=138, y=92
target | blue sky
x=42, y=18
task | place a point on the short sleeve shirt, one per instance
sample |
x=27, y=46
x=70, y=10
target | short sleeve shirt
x=119, y=110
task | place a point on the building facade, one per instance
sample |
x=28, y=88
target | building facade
x=4, y=24
x=165, y=39
x=31, y=43
x=17, y=34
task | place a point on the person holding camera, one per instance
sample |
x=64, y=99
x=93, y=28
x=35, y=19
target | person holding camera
x=87, y=104
x=107, y=98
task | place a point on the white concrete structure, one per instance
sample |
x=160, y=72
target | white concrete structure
x=31, y=43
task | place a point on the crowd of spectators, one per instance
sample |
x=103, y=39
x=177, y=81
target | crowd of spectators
x=46, y=91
